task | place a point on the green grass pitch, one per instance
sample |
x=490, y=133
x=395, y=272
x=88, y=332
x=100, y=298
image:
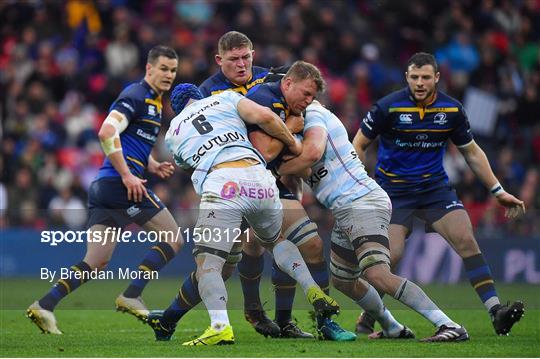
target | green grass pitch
x=93, y=329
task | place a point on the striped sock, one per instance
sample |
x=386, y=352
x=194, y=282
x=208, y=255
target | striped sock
x=187, y=298
x=156, y=258
x=480, y=277
x=250, y=270
x=65, y=286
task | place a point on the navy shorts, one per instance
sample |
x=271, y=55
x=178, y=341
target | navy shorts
x=108, y=204
x=429, y=206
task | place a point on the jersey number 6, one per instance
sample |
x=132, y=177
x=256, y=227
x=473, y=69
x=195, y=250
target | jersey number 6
x=201, y=125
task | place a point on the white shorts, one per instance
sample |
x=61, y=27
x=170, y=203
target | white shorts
x=366, y=216
x=228, y=194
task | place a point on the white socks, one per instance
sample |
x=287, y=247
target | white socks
x=414, y=297
x=214, y=295
x=372, y=303
x=289, y=260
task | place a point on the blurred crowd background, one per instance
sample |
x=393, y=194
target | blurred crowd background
x=62, y=63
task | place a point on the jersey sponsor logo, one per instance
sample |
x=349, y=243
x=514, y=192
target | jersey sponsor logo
x=422, y=137
x=454, y=204
x=405, y=118
x=219, y=140
x=126, y=105
x=177, y=130
x=367, y=120
x=317, y=176
x=440, y=118
x=250, y=190
x=229, y=190
x=419, y=144
x=146, y=136
x=133, y=211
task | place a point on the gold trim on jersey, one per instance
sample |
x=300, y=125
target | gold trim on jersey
x=152, y=122
x=241, y=89
x=134, y=160
x=423, y=130
x=156, y=102
x=422, y=111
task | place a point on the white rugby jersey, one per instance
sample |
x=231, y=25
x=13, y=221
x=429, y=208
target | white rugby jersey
x=338, y=178
x=208, y=132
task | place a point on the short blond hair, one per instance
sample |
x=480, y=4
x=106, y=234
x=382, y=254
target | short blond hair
x=302, y=70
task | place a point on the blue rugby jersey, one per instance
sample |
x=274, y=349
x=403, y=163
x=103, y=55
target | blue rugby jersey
x=142, y=107
x=218, y=82
x=269, y=95
x=413, y=139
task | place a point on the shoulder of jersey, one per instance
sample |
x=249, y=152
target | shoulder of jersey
x=134, y=90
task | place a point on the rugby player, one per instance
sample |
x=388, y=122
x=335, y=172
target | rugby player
x=118, y=195
x=362, y=212
x=237, y=73
x=210, y=136
x=291, y=95
x=414, y=125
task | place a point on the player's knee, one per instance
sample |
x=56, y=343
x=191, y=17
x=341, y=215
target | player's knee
x=467, y=246
x=312, y=251
x=377, y=276
x=344, y=286
x=228, y=270
x=253, y=248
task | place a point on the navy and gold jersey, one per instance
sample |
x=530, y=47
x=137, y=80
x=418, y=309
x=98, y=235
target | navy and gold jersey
x=413, y=139
x=142, y=107
x=218, y=82
x=269, y=95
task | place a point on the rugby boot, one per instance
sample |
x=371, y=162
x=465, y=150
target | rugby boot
x=162, y=329
x=365, y=324
x=504, y=317
x=44, y=319
x=405, y=333
x=290, y=329
x=448, y=334
x=330, y=330
x=324, y=305
x=133, y=306
x=213, y=337
x=262, y=324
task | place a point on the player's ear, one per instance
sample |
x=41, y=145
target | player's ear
x=218, y=59
x=437, y=76
x=148, y=67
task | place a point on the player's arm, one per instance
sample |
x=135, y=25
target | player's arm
x=360, y=143
x=271, y=147
x=161, y=169
x=314, y=144
x=253, y=113
x=109, y=137
x=479, y=164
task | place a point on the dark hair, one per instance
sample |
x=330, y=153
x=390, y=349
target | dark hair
x=423, y=58
x=302, y=70
x=233, y=39
x=160, y=50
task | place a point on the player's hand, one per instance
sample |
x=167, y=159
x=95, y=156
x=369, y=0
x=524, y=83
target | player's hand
x=295, y=123
x=514, y=206
x=135, y=187
x=296, y=148
x=162, y=169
